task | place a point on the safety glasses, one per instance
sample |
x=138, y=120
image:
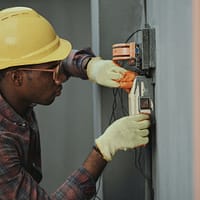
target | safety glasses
x=57, y=72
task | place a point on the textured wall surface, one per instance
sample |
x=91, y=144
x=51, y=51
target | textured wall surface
x=173, y=23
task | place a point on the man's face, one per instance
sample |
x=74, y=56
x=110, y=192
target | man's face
x=40, y=86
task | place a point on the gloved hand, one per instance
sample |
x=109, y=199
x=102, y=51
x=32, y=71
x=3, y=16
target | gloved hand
x=104, y=72
x=125, y=133
x=126, y=82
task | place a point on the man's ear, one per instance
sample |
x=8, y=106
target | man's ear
x=16, y=77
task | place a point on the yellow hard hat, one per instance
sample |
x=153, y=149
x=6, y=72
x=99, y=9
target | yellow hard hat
x=28, y=38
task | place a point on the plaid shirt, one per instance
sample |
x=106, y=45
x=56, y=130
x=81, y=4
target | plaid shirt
x=20, y=158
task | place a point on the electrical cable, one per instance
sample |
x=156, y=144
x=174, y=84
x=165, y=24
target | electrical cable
x=114, y=114
x=123, y=107
x=116, y=91
x=132, y=34
x=98, y=188
x=139, y=162
x=145, y=13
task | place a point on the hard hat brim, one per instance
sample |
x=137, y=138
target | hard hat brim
x=60, y=53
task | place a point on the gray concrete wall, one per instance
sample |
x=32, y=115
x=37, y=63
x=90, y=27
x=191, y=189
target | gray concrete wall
x=173, y=158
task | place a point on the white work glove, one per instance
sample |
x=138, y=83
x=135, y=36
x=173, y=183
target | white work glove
x=104, y=72
x=125, y=133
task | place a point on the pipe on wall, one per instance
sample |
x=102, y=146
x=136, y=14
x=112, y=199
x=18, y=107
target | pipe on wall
x=94, y=4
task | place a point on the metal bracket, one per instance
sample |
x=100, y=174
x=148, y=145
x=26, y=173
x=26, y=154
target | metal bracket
x=148, y=47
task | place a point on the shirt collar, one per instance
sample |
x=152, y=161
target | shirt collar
x=8, y=112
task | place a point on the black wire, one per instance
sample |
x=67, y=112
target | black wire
x=123, y=107
x=145, y=12
x=98, y=188
x=113, y=116
x=118, y=93
x=132, y=34
x=138, y=156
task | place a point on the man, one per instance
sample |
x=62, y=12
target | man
x=34, y=62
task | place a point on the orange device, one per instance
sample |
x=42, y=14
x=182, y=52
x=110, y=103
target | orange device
x=124, y=51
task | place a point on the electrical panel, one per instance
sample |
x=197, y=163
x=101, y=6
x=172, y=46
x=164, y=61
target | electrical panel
x=139, y=56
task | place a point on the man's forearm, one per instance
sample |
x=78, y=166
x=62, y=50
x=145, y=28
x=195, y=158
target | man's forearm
x=95, y=163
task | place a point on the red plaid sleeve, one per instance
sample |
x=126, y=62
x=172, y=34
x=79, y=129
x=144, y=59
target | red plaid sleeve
x=16, y=183
x=76, y=63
